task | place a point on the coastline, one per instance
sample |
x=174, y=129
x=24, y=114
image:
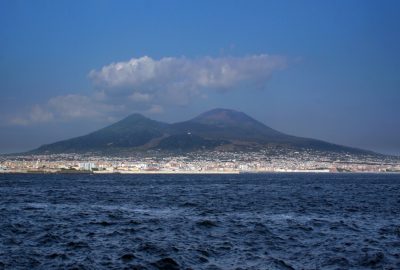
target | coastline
x=198, y=172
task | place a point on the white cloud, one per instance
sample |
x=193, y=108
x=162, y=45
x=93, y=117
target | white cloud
x=155, y=109
x=223, y=72
x=148, y=85
x=177, y=80
x=37, y=114
x=79, y=106
x=140, y=97
x=66, y=108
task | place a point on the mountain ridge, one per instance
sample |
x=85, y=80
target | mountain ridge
x=217, y=129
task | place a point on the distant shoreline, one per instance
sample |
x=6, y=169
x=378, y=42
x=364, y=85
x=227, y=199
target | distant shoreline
x=192, y=172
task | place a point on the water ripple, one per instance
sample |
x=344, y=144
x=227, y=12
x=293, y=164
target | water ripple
x=275, y=221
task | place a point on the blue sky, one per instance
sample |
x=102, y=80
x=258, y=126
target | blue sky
x=320, y=69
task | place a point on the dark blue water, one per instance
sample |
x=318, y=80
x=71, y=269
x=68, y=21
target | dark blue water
x=275, y=221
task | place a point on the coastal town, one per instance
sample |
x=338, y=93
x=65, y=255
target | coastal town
x=153, y=162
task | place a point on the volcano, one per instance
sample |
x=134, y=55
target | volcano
x=217, y=129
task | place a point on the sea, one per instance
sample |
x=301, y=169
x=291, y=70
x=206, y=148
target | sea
x=244, y=221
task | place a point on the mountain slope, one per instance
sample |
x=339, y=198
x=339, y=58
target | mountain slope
x=216, y=129
x=133, y=131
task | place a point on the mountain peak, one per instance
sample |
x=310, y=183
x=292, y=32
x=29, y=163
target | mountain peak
x=221, y=116
x=219, y=111
x=135, y=121
x=136, y=116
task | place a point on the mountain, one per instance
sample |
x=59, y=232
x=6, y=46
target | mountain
x=220, y=129
x=229, y=125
